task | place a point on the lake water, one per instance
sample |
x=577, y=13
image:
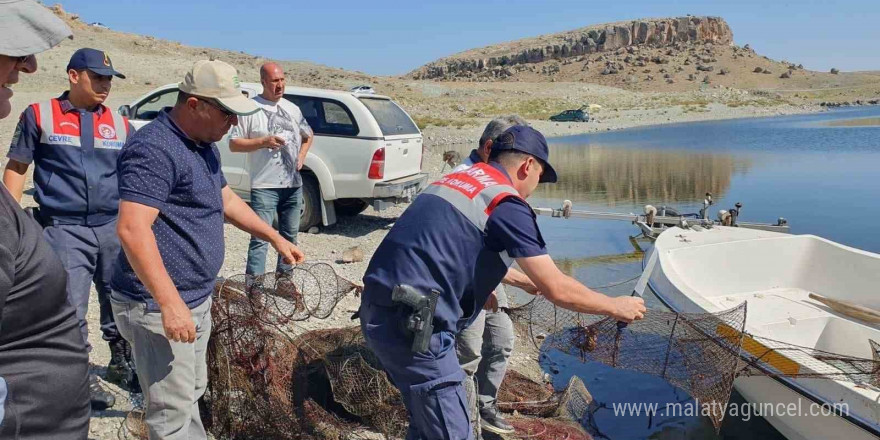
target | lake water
x=819, y=171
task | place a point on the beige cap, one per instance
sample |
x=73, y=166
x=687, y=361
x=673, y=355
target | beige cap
x=219, y=81
x=29, y=28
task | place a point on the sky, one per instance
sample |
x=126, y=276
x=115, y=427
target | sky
x=394, y=37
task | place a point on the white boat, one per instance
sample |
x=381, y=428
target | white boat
x=711, y=270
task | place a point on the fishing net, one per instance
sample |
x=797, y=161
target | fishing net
x=700, y=353
x=271, y=379
x=255, y=363
x=309, y=290
x=525, y=396
x=562, y=420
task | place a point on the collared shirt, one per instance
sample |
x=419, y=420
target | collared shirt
x=468, y=162
x=432, y=246
x=74, y=184
x=471, y=160
x=162, y=168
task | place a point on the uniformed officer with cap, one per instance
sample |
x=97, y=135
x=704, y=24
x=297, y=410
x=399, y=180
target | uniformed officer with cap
x=436, y=267
x=73, y=142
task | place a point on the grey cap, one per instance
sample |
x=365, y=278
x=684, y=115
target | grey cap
x=27, y=28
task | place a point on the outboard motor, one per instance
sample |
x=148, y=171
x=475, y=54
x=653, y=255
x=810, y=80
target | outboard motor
x=734, y=213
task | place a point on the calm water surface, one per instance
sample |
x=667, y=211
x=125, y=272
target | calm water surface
x=818, y=171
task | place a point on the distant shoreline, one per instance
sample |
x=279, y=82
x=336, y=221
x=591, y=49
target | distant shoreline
x=608, y=120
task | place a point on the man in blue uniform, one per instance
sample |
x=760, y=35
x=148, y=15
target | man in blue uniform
x=73, y=142
x=485, y=346
x=445, y=254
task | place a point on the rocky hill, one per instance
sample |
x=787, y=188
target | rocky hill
x=496, y=61
x=656, y=55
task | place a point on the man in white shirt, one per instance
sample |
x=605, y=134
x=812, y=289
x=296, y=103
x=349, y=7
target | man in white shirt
x=277, y=139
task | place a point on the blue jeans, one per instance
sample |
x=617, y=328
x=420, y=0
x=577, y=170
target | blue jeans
x=266, y=202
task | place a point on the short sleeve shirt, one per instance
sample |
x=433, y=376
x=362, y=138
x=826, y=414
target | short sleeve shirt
x=74, y=185
x=474, y=158
x=432, y=246
x=274, y=169
x=162, y=168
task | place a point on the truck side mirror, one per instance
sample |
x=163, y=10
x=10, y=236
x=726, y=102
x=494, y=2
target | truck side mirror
x=125, y=110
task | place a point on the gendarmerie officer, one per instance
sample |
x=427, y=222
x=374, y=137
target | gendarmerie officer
x=436, y=267
x=73, y=142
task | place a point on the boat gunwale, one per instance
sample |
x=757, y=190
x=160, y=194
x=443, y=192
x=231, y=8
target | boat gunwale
x=790, y=383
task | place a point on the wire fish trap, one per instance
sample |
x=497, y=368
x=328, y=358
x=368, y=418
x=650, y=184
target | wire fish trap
x=308, y=290
x=571, y=409
x=768, y=357
x=686, y=350
x=547, y=429
x=700, y=353
x=254, y=363
x=357, y=385
x=525, y=396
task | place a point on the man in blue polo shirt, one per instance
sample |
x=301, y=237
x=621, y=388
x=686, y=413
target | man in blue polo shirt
x=73, y=142
x=447, y=252
x=174, y=200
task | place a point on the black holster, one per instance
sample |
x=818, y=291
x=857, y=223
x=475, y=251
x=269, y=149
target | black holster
x=421, y=321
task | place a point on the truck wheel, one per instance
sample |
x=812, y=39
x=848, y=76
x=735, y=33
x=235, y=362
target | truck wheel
x=350, y=207
x=311, y=203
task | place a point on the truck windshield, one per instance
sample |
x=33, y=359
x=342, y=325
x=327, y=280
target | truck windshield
x=391, y=118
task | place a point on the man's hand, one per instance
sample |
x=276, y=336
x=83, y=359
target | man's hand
x=491, y=302
x=178, y=322
x=629, y=308
x=273, y=142
x=568, y=293
x=289, y=251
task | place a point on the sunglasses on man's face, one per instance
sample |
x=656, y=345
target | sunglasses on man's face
x=225, y=112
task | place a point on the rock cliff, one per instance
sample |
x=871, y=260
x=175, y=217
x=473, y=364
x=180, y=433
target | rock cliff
x=657, y=33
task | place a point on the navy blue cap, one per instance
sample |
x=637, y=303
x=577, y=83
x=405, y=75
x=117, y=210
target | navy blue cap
x=94, y=60
x=530, y=141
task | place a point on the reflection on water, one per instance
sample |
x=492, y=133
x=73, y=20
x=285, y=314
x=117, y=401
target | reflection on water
x=861, y=122
x=614, y=176
x=822, y=178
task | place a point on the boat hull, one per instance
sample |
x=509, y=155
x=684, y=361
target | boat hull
x=801, y=408
x=790, y=412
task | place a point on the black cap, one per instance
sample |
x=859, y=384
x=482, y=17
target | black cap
x=94, y=60
x=530, y=141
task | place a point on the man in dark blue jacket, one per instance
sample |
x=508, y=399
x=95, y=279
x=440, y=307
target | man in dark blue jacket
x=449, y=250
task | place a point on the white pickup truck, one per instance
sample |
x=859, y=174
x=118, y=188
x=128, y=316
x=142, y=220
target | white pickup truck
x=367, y=150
